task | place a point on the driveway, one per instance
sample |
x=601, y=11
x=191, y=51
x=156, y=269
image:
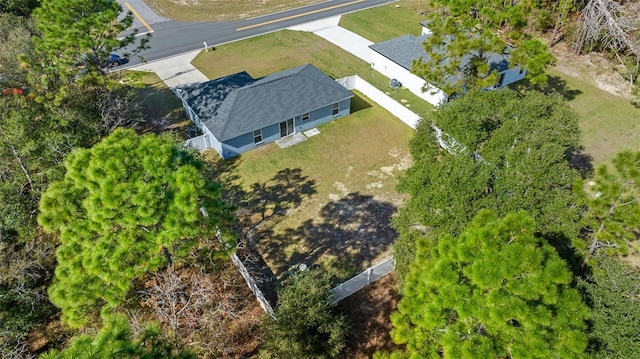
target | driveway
x=175, y=71
x=329, y=30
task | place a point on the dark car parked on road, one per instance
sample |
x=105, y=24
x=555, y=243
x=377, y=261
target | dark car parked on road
x=114, y=60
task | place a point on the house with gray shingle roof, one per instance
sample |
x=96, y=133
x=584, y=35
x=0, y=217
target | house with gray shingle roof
x=394, y=58
x=237, y=113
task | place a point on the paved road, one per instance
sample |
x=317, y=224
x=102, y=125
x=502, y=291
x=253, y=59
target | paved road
x=172, y=38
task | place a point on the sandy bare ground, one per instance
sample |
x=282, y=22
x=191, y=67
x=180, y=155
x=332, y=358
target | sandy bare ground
x=593, y=67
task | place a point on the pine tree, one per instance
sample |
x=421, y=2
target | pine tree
x=126, y=206
x=612, y=290
x=75, y=38
x=305, y=324
x=613, y=204
x=498, y=290
x=115, y=340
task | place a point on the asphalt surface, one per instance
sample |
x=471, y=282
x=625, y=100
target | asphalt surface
x=170, y=38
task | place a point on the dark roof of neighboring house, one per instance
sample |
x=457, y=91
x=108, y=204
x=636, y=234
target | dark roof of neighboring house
x=238, y=104
x=405, y=49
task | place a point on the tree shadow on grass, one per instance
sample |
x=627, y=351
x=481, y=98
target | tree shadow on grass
x=257, y=210
x=224, y=172
x=162, y=111
x=555, y=85
x=359, y=103
x=583, y=163
x=272, y=200
x=352, y=233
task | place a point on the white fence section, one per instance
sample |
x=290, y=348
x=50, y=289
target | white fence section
x=199, y=143
x=362, y=280
x=404, y=114
x=264, y=303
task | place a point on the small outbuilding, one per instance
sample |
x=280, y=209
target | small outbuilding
x=237, y=113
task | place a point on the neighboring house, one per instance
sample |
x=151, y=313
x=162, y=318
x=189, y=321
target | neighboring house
x=394, y=58
x=236, y=113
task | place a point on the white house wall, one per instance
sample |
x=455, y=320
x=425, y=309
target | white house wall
x=410, y=81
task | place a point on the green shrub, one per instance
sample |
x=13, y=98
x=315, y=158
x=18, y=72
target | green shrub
x=544, y=20
x=306, y=325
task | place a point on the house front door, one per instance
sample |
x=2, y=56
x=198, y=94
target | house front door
x=286, y=128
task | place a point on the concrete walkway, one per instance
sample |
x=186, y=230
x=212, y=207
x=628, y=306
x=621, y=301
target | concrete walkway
x=329, y=30
x=175, y=71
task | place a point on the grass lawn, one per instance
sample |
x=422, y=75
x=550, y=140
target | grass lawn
x=270, y=53
x=609, y=123
x=327, y=201
x=386, y=22
x=222, y=10
x=161, y=108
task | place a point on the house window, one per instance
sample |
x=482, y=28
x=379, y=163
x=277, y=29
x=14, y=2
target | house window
x=336, y=109
x=305, y=116
x=257, y=137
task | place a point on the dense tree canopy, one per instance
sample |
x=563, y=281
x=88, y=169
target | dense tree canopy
x=497, y=290
x=15, y=33
x=612, y=290
x=18, y=7
x=465, y=33
x=512, y=154
x=33, y=143
x=125, y=207
x=34, y=140
x=611, y=221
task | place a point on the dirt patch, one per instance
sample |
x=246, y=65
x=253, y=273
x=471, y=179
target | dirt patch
x=593, y=68
x=52, y=334
x=633, y=260
x=369, y=311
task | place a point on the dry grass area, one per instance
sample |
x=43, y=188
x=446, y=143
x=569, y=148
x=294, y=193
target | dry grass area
x=593, y=68
x=222, y=10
